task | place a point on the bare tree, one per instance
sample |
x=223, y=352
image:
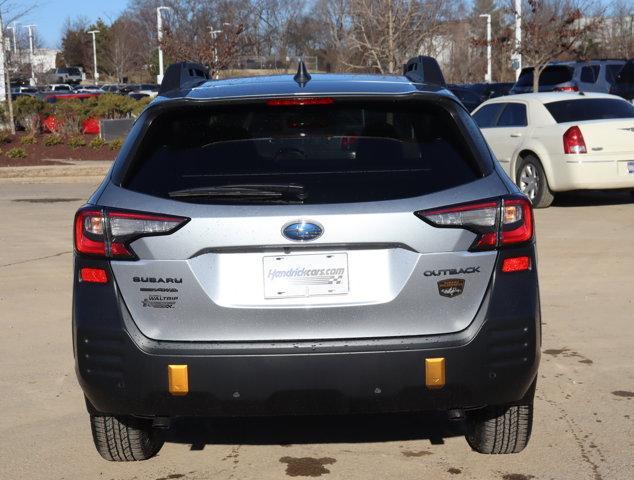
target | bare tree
x=120, y=53
x=552, y=28
x=379, y=35
x=211, y=49
x=617, y=36
x=76, y=46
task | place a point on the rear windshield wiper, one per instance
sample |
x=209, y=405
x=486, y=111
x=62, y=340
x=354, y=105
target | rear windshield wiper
x=246, y=191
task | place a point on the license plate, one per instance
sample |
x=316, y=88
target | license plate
x=630, y=167
x=305, y=275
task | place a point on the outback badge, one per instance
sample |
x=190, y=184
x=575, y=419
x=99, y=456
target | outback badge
x=451, y=287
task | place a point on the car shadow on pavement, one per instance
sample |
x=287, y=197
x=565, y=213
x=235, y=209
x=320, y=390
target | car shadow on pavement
x=288, y=430
x=591, y=198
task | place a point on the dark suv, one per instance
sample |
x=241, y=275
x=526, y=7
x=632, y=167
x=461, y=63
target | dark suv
x=298, y=245
x=623, y=85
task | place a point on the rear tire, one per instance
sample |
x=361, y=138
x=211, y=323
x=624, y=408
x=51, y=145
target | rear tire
x=532, y=181
x=500, y=429
x=124, y=439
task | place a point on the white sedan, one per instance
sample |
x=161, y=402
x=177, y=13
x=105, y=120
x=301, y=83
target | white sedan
x=556, y=142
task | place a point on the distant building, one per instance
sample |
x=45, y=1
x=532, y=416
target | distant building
x=44, y=59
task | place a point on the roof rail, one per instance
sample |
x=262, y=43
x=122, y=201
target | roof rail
x=183, y=76
x=424, y=69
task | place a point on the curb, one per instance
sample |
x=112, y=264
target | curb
x=88, y=170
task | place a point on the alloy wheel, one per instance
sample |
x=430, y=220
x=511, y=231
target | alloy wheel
x=529, y=181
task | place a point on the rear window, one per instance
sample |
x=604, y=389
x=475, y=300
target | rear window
x=550, y=76
x=590, y=74
x=341, y=152
x=589, y=109
x=626, y=74
x=612, y=71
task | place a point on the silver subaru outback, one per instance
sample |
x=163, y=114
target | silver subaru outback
x=305, y=244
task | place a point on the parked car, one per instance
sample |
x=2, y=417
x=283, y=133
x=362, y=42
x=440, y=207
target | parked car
x=68, y=75
x=126, y=88
x=623, y=84
x=489, y=90
x=88, y=89
x=139, y=94
x=556, y=142
x=469, y=98
x=59, y=87
x=111, y=88
x=145, y=90
x=589, y=76
x=288, y=276
x=19, y=91
x=30, y=90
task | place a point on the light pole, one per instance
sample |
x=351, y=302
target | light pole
x=516, y=59
x=487, y=78
x=30, y=28
x=159, y=34
x=15, y=44
x=214, y=33
x=94, y=54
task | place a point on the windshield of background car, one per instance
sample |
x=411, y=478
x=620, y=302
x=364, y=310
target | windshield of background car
x=340, y=152
x=550, y=76
x=589, y=109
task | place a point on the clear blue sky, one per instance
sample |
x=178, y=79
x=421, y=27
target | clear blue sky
x=49, y=15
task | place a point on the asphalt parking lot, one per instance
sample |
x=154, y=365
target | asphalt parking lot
x=585, y=399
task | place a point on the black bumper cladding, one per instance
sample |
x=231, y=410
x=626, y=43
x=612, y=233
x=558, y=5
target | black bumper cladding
x=494, y=361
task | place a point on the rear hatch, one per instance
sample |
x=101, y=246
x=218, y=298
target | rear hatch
x=302, y=221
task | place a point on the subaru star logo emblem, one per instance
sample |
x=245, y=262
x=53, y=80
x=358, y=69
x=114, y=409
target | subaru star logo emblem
x=302, y=231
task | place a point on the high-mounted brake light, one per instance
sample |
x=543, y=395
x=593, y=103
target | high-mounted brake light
x=108, y=233
x=497, y=223
x=286, y=102
x=569, y=88
x=574, y=141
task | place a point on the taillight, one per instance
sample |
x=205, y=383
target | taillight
x=497, y=223
x=286, y=102
x=108, y=233
x=574, y=142
x=570, y=88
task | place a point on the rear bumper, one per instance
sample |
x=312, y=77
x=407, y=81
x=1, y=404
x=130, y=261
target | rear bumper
x=576, y=174
x=493, y=361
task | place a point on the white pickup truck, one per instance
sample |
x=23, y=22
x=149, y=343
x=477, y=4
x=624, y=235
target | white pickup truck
x=69, y=75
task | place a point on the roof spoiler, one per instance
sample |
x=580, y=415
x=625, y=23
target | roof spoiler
x=183, y=76
x=424, y=69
